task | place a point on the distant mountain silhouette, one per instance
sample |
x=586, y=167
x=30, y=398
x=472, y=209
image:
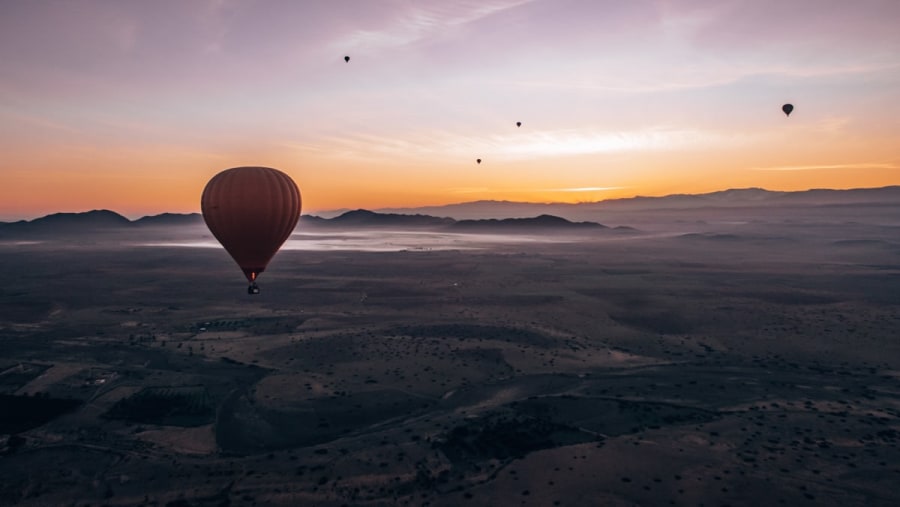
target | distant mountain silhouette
x=740, y=197
x=731, y=198
x=99, y=219
x=57, y=223
x=542, y=222
x=169, y=220
x=311, y=221
x=492, y=215
x=94, y=221
x=370, y=219
x=366, y=218
x=486, y=209
x=62, y=224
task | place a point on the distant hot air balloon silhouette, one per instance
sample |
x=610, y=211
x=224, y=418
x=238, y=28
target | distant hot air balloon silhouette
x=787, y=108
x=347, y=59
x=478, y=160
x=251, y=211
x=518, y=124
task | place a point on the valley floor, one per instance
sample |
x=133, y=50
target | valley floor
x=700, y=369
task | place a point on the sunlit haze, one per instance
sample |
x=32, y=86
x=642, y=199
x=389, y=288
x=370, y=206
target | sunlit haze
x=134, y=105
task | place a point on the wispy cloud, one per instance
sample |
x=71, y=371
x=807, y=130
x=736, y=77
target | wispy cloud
x=423, y=22
x=469, y=190
x=832, y=125
x=627, y=80
x=34, y=120
x=549, y=143
x=827, y=167
x=582, y=141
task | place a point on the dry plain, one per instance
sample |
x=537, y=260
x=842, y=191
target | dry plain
x=751, y=363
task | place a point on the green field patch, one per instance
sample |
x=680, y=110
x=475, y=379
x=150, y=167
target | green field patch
x=166, y=405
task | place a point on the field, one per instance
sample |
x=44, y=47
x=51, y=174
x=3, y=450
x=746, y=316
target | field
x=731, y=364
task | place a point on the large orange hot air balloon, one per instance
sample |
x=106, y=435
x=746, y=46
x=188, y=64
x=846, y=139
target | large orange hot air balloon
x=251, y=211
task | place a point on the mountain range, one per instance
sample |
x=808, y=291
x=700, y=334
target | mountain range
x=99, y=221
x=487, y=216
x=732, y=198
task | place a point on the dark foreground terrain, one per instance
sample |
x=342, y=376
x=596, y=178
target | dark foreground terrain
x=737, y=364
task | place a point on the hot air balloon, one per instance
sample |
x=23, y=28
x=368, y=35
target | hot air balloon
x=787, y=108
x=251, y=211
x=518, y=124
x=347, y=59
x=478, y=160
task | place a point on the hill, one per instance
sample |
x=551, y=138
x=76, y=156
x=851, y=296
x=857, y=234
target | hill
x=372, y=220
x=732, y=204
x=731, y=198
x=63, y=224
x=170, y=220
x=366, y=218
x=542, y=223
x=60, y=223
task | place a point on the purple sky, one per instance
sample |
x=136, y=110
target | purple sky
x=102, y=99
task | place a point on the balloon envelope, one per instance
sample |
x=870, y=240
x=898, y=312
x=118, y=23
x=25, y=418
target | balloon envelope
x=518, y=124
x=251, y=211
x=787, y=108
x=346, y=58
x=478, y=160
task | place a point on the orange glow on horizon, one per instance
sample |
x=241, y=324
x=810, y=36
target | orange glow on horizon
x=144, y=192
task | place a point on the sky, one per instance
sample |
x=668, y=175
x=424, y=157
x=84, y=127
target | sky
x=134, y=105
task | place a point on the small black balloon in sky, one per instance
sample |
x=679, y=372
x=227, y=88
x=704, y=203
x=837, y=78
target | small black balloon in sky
x=478, y=160
x=518, y=124
x=347, y=59
x=787, y=108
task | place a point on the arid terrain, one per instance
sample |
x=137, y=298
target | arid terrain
x=750, y=360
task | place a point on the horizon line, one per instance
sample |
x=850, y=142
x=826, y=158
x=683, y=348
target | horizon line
x=545, y=203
